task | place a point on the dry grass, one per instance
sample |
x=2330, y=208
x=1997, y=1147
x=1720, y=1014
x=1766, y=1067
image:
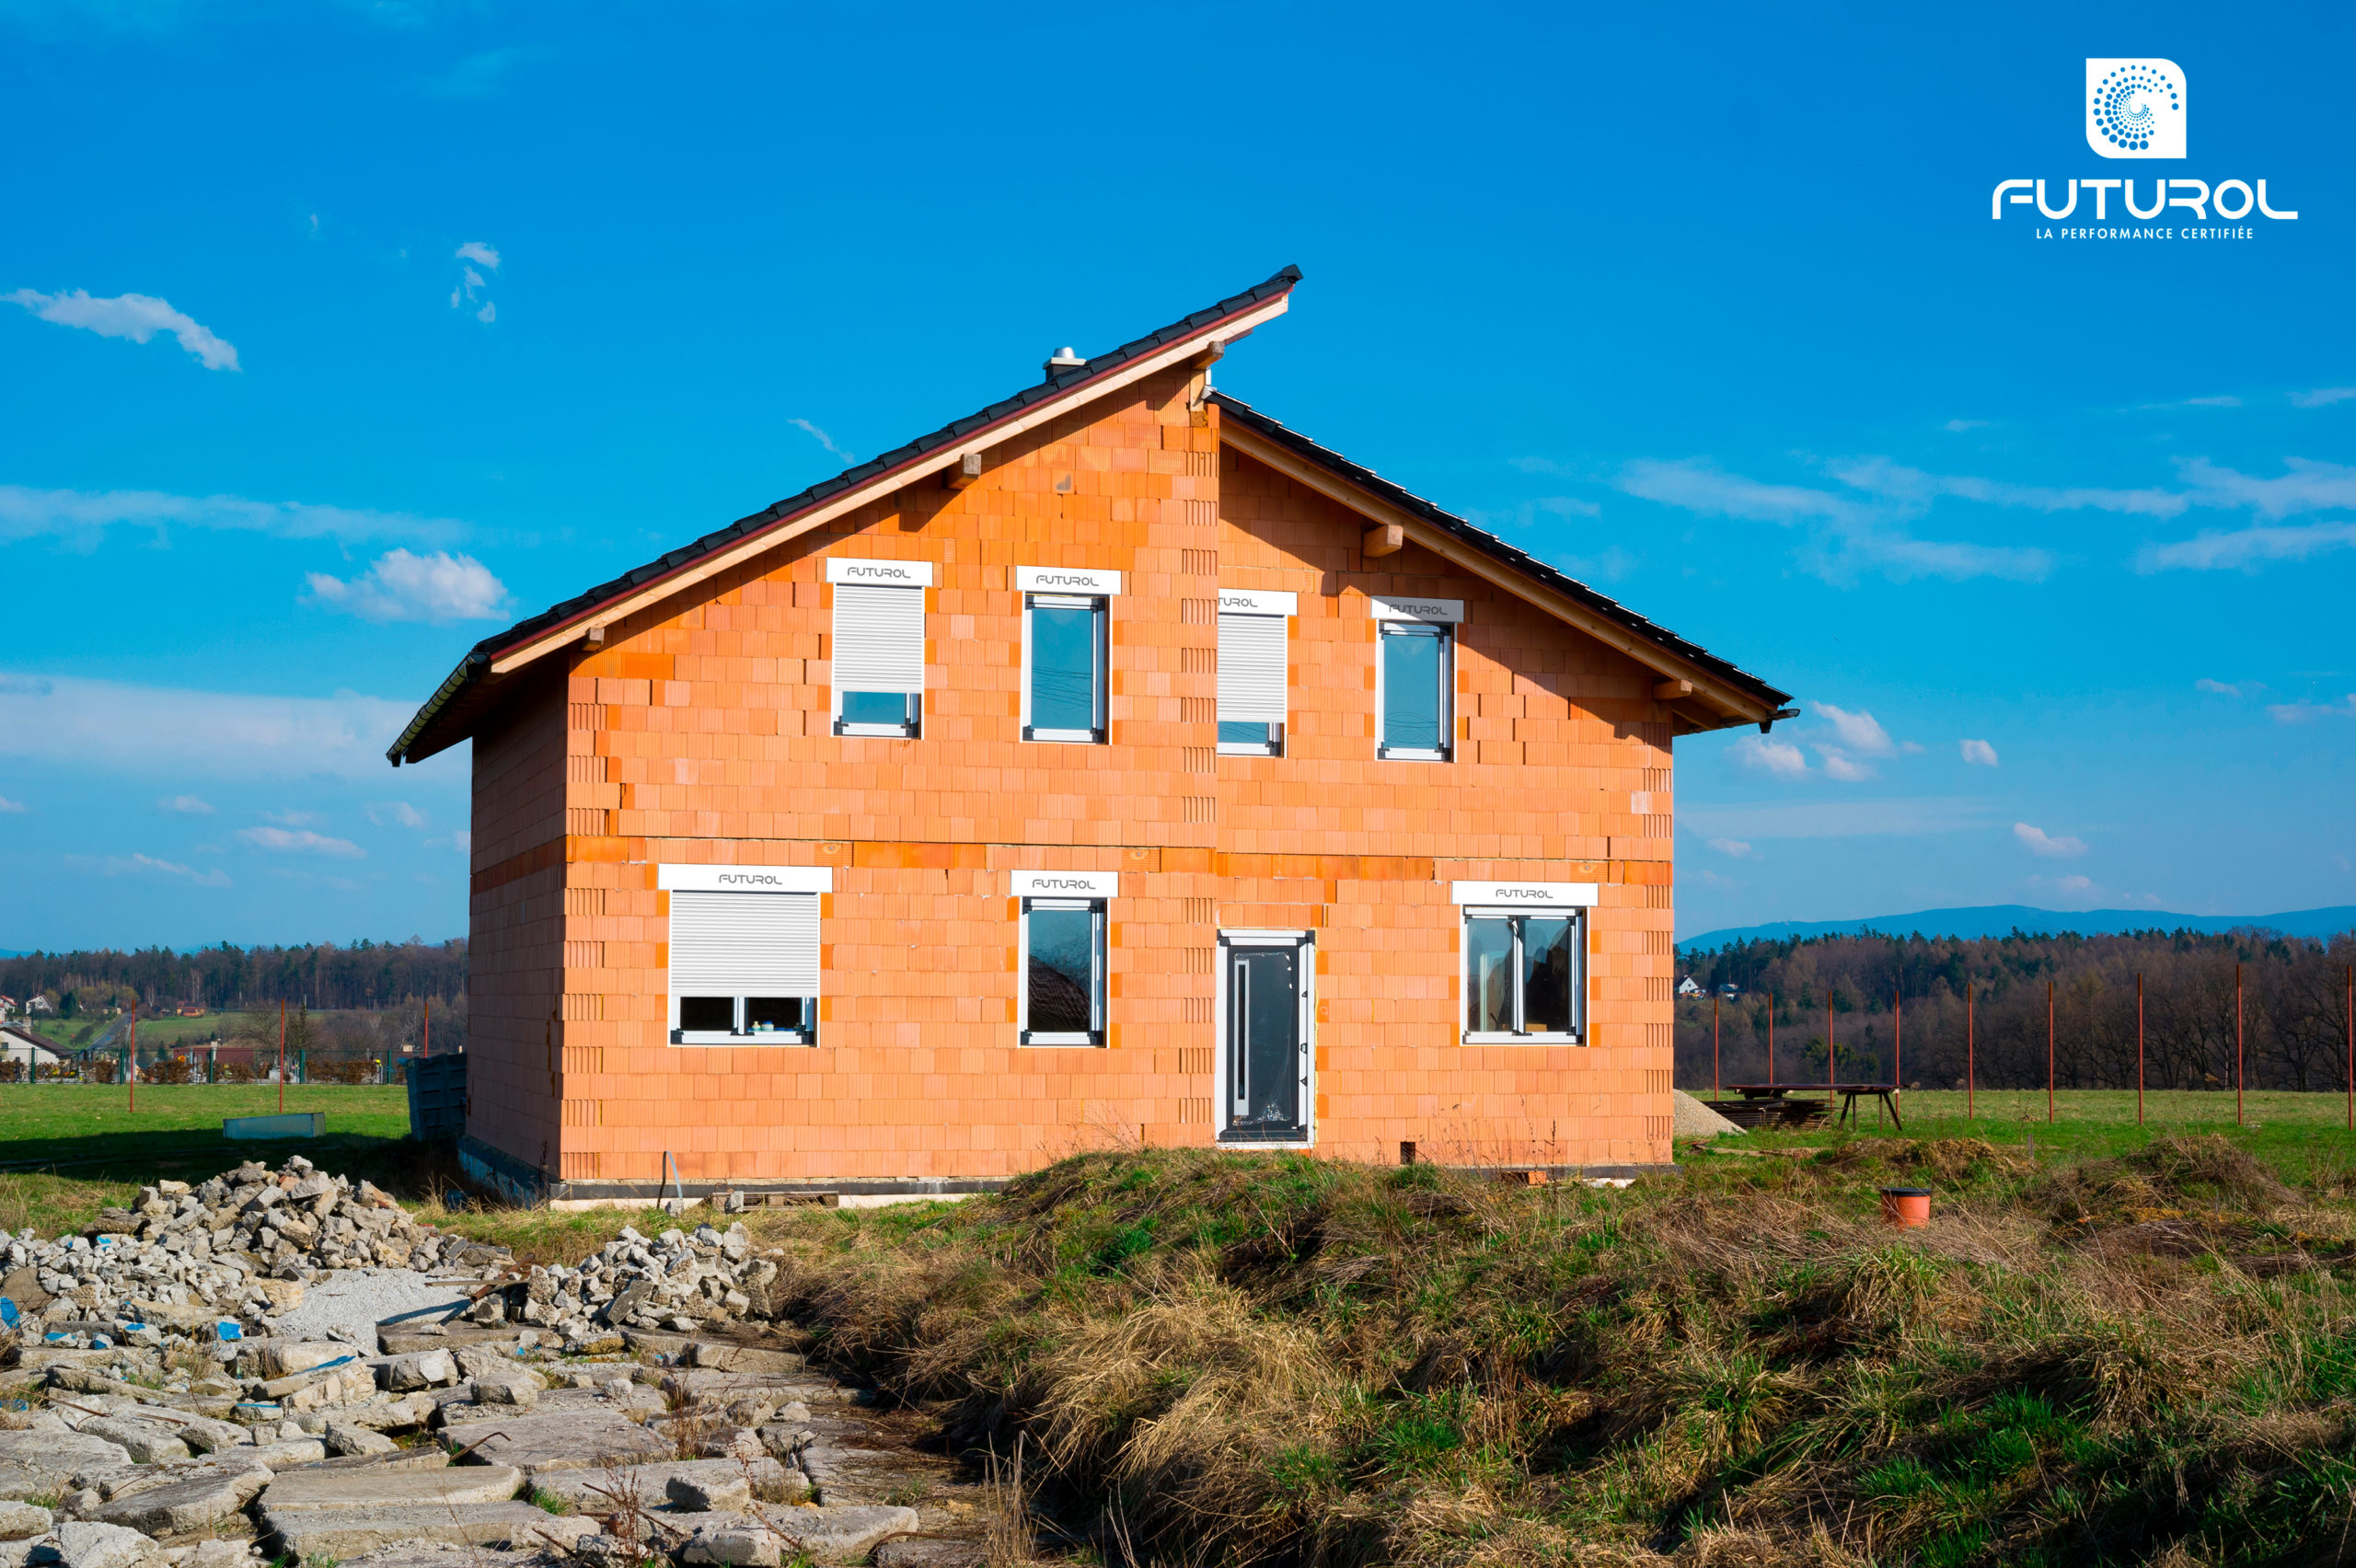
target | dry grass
x=1226, y=1360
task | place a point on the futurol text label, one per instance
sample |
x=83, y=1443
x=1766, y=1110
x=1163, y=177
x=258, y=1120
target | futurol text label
x=2139, y=109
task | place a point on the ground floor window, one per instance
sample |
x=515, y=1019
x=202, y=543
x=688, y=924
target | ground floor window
x=744, y=947
x=1524, y=975
x=1063, y=966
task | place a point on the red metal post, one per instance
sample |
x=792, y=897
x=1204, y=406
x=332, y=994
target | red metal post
x=427, y=1049
x=1971, y=1051
x=2237, y=1045
x=1714, y=1089
x=1898, y=1042
x=2048, y=1052
x=282, y=1053
x=1771, y=1039
x=2347, y=1012
x=2138, y=1048
x=133, y=1076
x=1827, y=1047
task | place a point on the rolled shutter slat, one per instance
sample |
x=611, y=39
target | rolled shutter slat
x=879, y=638
x=744, y=944
x=1252, y=669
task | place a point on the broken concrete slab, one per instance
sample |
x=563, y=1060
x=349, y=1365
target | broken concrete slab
x=930, y=1552
x=83, y=1543
x=387, y=1486
x=22, y=1521
x=346, y=1533
x=181, y=1506
x=715, y=1385
x=723, y=1357
x=289, y=1452
x=564, y=1438
x=343, y=1437
x=605, y=1491
x=39, y=1461
x=711, y=1494
x=419, y=1370
x=830, y=1535
x=446, y=1554
x=147, y=1442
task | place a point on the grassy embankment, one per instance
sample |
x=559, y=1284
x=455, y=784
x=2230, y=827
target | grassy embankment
x=2133, y=1346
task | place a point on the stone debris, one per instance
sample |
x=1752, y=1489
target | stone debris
x=194, y=1412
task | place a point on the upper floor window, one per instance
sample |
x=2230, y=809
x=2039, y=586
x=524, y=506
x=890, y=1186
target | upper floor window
x=1066, y=615
x=1418, y=679
x=1252, y=629
x=879, y=645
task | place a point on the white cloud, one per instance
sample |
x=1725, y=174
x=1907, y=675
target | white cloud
x=400, y=812
x=300, y=841
x=1569, y=507
x=823, y=439
x=1904, y=816
x=1917, y=490
x=2247, y=550
x=1697, y=486
x=2308, y=713
x=2308, y=486
x=464, y=291
x=489, y=313
x=1957, y=427
x=401, y=586
x=10, y=807
x=475, y=250
x=2223, y=688
x=1978, y=754
x=2322, y=397
x=71, y=722
x=1839, y=765
x=1764, y=754
x=136, y=317
x=2071, y=884
x=27, y=513
x=186, y=805
x=1858, y=731
x=147, y=865
x=2218, y=402
x=289, y=818
x=471, y=282
x=1733, y=846
x=2037, y=841
x=462, y=842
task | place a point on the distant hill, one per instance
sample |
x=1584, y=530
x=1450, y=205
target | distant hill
x=2000, y=920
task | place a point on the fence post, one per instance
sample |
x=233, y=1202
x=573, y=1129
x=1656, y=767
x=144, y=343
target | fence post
x=2048, y=1053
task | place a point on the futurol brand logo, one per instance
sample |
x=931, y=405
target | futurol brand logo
x=897, y=574
x=1513, y=892
x=1062, y=580
x=1059, y=884
x=749, y=879
x=2138, y=109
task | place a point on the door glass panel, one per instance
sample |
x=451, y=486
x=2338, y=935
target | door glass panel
x=709, y=1014
x=1063, y=971
x=1263, y=992
x=1411, y=706
x=1488, y=975
x=1063, y=668
x=1548, y=967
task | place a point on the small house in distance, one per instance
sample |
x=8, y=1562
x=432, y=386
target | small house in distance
x=1115, y=764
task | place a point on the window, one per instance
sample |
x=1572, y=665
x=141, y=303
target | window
x=1252, y=638
x=1524, y=975
x=878, y=645
x=1064, y=639
x=1416, y=638
x=744, y=945
x=1062, y=937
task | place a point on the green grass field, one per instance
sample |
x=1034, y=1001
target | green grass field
x=2301, y=1136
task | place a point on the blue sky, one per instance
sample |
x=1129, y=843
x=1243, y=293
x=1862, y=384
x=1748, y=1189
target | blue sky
x=402, y=319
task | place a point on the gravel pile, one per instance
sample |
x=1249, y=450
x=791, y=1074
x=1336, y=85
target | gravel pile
x=678, y=1281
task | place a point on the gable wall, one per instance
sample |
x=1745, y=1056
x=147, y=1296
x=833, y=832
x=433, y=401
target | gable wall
x=698, y=733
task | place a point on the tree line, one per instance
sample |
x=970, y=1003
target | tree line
x=322, y=976
x=2281, y=1001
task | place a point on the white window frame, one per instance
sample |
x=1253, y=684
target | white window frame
x=1274, y=606
x=1513, y=900
x=1446, y=636
x=898, y=577
x=1102, y=605
x=1221, y=1060
x=786, y=882
x=1095, y=1036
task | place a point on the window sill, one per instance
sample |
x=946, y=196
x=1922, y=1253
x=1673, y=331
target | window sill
x=1286, y=1137
x=875, y=732
x=1243, y=748
x=1401, y=753
x=724, y=1037
x=1506, y=1037
x=1065, y=1041
x=1065, y=737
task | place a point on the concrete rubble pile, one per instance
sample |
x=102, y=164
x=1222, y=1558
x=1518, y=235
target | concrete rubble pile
x=163, y=1414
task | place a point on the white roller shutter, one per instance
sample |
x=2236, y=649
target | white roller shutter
x=879, y=638
x=743, y=944
x=1252, y=669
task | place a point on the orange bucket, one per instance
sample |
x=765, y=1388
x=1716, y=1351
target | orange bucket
x=1904, y=1207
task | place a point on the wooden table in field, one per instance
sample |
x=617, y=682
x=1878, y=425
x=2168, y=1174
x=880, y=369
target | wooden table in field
x=1849, y=1094
x=1766, y=1103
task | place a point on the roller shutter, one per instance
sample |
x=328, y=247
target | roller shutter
x=744, y=944
x=1251, y=669
x=879, y=638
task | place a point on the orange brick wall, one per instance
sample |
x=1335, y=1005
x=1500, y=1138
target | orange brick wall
x=699, y=734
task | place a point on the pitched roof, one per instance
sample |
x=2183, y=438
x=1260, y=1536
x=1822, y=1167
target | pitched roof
x=1522, y=562
x=464, y=694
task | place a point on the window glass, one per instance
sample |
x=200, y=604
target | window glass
x=886, y=707
x=1549, y=964
x=1064, y=666
x=764, y=1014
x=1062, y=970
x=717, y=1014
x=1233, y=734
x=1415, y=670
x=1488, y=975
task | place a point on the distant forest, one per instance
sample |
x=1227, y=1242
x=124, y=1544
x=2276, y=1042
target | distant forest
x=2293, y=1017
x=321, y=977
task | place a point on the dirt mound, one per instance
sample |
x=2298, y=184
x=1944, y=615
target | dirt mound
x=1950, y=1162
x=2168, y=1175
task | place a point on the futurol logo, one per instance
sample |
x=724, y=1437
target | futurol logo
x=749, y=879
x=897, y=574
x=1059, y=884
x=2138, y=109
